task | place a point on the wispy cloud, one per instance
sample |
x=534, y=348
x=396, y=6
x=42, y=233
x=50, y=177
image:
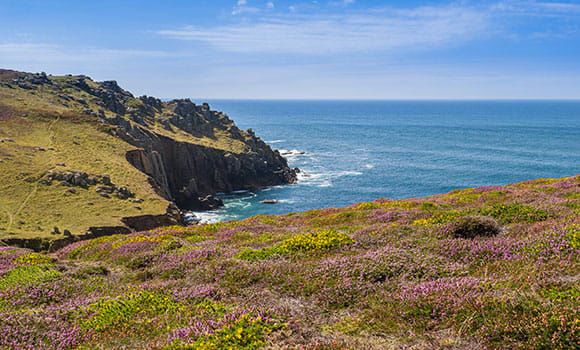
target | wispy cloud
x=537, y=8
x=242, y=7
x=36, y=52
x=382, y=30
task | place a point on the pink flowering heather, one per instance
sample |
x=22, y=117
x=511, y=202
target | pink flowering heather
x=185, y=260
x=442, y=285
x=470, y=250
x=196, y=292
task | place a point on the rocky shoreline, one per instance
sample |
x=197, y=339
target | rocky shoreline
x=188, y=152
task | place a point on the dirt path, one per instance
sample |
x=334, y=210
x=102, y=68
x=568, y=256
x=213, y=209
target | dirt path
x=51, y=142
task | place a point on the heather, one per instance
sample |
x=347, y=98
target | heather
x=486, y=268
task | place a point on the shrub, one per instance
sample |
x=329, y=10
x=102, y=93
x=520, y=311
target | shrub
x=437, y=219
x=33, y=259
x=247, y=332
x=88, y=271
x=511, y=213
x=321, y=240
x=129, y=308
x=27, y=275
x=316, y=241
x=474, y=226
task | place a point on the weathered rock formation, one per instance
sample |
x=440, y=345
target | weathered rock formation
x=181, y=170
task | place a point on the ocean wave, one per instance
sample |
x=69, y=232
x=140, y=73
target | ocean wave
x=208, y=217
x=275, y=141
x=323, y=178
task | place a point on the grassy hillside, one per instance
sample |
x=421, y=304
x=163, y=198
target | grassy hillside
x=55, y=123
x=493, y=267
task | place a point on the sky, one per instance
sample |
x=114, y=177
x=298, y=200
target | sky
x=303, y=49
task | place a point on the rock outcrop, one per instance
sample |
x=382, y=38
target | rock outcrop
x=186, y=172
x=188, y=151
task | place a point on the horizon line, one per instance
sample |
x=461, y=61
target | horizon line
x=380, y=99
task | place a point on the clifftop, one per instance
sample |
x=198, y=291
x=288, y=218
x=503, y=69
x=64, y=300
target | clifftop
x=56, y=130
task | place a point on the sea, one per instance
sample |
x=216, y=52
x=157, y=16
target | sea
x=356, y=151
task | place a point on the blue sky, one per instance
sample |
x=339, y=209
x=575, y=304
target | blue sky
x=326, y=49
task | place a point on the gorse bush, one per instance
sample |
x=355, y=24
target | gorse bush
x=28, y=275
x=316, y=241
x=247, y=332
x=439, y=218
x=515, y=212
x=32, y=259
x=321, y=240
x=474, y=226
x=129, y=308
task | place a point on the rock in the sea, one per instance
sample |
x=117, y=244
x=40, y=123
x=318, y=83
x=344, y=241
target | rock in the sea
x=270, y=201
x=190, y=219
x=210, y=202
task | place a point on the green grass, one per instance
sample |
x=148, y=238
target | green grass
x=49, y=132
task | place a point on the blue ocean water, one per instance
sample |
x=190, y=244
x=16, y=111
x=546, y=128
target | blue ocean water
x=358, y=151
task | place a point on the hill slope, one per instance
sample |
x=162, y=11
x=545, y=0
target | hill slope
x=492, y=267
x=81, y=156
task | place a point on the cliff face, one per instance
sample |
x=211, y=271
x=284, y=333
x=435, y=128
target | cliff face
x=188, y=173
x=58, y=132
x=183, y=171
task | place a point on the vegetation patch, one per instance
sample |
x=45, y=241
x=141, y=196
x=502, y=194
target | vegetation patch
x=247, y=331
x=129, y=308
x=32, y=259
x=515, y=212
x=28, y=275
x=316, y=241
x=439, y=218
x=474, y=226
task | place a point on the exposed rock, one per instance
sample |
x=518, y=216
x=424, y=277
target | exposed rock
x=148, y=222
x=210, y=202
x=124, y=193
x=105, y=187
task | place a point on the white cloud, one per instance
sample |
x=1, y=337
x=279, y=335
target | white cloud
x=384, y=30
x=34, y=52
x=242, y=7
x=270, y=5
x=537, y=8
x=342, y=2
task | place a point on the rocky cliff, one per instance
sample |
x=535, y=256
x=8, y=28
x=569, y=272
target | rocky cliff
x=188, y=173
x=62, y=135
